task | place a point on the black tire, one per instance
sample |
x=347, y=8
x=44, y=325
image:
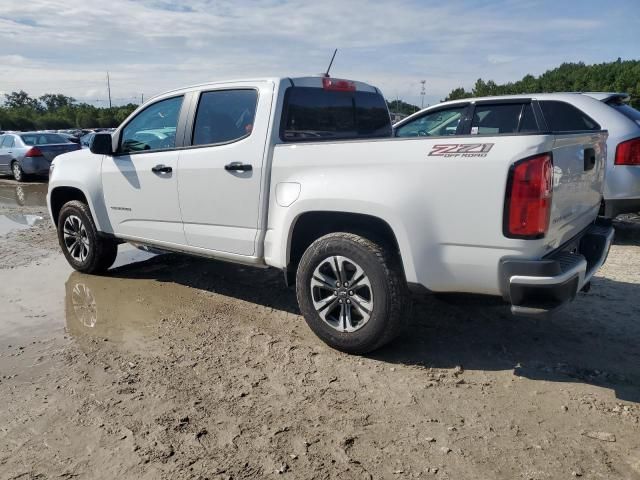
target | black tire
x=386, y=283
x=100, y=252
x=17, y=172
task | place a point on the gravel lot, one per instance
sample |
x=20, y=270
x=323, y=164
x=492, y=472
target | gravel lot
x=173, y=367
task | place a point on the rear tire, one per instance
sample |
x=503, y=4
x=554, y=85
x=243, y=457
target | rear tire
x=85, y=250
x=367, y=312
x=18, y=173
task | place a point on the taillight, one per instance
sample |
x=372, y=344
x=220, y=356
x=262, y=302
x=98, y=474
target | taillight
x=33, y=152
x=528, y=197
x=338, y=85
x=628, y=153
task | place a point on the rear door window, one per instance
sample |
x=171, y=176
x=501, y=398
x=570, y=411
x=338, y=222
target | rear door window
x=7, y=142
x=434, y=124
x=563, y=117
x=224, y=116
x=315, y=114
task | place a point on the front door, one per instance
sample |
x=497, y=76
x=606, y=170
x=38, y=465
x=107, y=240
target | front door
x=220, y=170
x=140, y=180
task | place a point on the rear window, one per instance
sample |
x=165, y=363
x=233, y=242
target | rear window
x=42, y=138
x=563, y=117
x=495, y=119
x=315, y=114
x=627, y=110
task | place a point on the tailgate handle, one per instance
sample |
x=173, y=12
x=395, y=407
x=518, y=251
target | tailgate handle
x=589, y=159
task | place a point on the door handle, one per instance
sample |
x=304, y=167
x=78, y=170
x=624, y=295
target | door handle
x=161, y=169
x=238, y=167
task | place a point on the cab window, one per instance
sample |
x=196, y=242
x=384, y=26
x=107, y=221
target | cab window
x=434, y=124
x=224, y=116
x=154, y=128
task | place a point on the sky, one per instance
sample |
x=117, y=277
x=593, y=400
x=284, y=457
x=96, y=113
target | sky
x=150, y=46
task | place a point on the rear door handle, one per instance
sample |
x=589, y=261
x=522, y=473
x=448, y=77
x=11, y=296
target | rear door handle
x=161, y=169
x=238, y=167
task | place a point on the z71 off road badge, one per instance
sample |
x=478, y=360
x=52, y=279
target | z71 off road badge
x=461, y=150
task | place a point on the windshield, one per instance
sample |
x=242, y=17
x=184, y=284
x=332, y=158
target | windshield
x=42, y=138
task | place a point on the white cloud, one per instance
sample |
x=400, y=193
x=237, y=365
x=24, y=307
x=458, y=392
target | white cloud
x=153, y=45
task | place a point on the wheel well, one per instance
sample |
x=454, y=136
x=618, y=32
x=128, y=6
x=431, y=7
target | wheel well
x=62, y=195
x=312, y=225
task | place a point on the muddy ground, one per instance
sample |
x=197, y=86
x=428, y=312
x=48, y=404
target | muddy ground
x=172, y=367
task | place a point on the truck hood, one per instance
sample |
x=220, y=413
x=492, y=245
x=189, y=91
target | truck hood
x=83, y=155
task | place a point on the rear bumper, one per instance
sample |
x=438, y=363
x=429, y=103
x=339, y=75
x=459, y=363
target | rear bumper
x=35, y=165
x=535, y=287
x=613, y=208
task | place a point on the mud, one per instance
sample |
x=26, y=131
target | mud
x=173, y=367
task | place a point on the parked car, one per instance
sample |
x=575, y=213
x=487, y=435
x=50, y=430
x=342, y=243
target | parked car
x=31, y=153
x=303, y=175
x=555, y=112
x=85, y=140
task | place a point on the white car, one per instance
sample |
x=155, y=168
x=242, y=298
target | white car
x=304, y=175
x=556, y=113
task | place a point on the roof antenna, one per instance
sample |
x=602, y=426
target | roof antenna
x=331, y=62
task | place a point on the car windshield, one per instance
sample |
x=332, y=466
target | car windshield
x=42, y=138
x=627, y=110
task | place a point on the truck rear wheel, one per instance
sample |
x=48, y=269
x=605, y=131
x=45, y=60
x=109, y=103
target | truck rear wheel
x=83, y=248
x=352, y=292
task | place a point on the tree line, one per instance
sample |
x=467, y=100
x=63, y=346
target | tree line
x=56, y=111
x=618, y=76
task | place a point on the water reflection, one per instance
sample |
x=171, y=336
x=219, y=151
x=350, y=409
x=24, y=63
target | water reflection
x=25, y=194
x=17, y=221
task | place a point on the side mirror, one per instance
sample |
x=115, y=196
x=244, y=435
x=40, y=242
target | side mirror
x=102, y=144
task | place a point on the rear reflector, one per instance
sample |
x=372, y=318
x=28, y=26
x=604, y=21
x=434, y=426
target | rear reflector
x=338, y=85
x=33, y=152
x=628, y=153
x=528, y=198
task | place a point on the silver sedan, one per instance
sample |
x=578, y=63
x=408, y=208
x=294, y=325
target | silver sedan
x=31, y=153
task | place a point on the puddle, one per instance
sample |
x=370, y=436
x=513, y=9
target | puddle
x=38, y=298
x=24, y=194
x=17, y=221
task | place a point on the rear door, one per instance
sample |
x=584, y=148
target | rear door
x=579, y=153
x=140, y=181
x=220, y=170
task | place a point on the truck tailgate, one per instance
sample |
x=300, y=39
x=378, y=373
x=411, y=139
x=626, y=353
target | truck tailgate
x=578, y=178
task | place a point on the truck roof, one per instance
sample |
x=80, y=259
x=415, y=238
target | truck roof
x=307, y=81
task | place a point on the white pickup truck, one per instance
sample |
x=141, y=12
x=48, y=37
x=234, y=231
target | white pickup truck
x=307, y=176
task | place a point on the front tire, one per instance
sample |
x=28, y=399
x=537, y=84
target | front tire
x=352, y=292
x=83, y=248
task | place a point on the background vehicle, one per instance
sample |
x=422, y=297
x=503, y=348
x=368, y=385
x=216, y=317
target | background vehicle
x=303, y=175
x=85, y=140
x=29, y=153
x=622, y=180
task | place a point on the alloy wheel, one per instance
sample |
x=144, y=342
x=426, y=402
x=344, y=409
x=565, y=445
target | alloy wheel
x=76, y=239
x=341, y=293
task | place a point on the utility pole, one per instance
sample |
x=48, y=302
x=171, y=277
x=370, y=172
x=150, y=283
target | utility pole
x=109, y=89
x=423, y=92
x=141, y=98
